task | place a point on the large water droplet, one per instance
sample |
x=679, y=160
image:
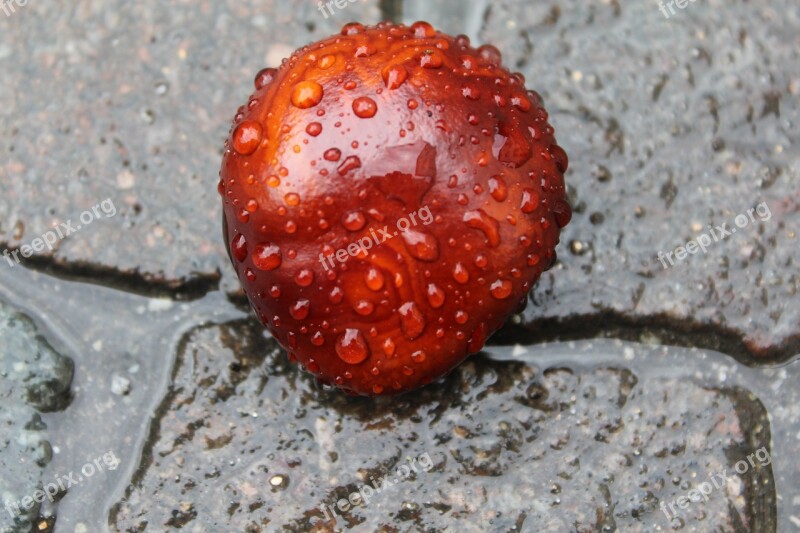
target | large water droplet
x=510, y=146
x=247, y=137
x=562, y=212
x=332, y=154
x=354, y=221
x=559, y=157
x=265, y=77
x=521, y=102
x=327, y=61
x=411, y=320
x=239, y=247
x=304, y=277
x=421, y=245
x=314, y=129
x=498, y=188
x=267, y=257
x=468, y=62
x=480, y=220
x=350, y=163
x=307, y=94
x=394, y=76
x=423, y=30
x=352, y=28
x=430, y=59
x=365, y=50
x=292, y=199
x=318, y=339
x=312, y=366
x=460, y=273
x=351, y=347
x=435, y=296
x=336, y=295
x=478, y=339
x=365, y=107
x=364, y=307
x=419, y=356
x=375, y=279
x=530, y=201
x=490, y=54
x=471, y=92
x=299, y=310
x=501, y=289
x=388, y=347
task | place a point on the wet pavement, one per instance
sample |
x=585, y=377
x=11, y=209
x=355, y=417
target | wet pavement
x=628, y=382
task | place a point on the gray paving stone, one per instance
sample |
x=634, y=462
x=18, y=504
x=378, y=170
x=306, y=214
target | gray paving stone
x=34, y=378
x=131, y=102
x=246, y=443
x=671, y=125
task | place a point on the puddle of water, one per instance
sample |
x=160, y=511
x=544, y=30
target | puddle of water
x=110, y=333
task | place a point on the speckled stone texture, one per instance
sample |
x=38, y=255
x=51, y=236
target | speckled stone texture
x=671, y=125
x=246, y=443
x=131, y=101
x=34, y=379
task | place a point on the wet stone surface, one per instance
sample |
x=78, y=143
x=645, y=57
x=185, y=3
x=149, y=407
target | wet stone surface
x=671, y=125
x=34, y=379
x=131, y=102
x=691, y=129
x=247, y=443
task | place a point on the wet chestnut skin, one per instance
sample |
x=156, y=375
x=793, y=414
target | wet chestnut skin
x=355, y=134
